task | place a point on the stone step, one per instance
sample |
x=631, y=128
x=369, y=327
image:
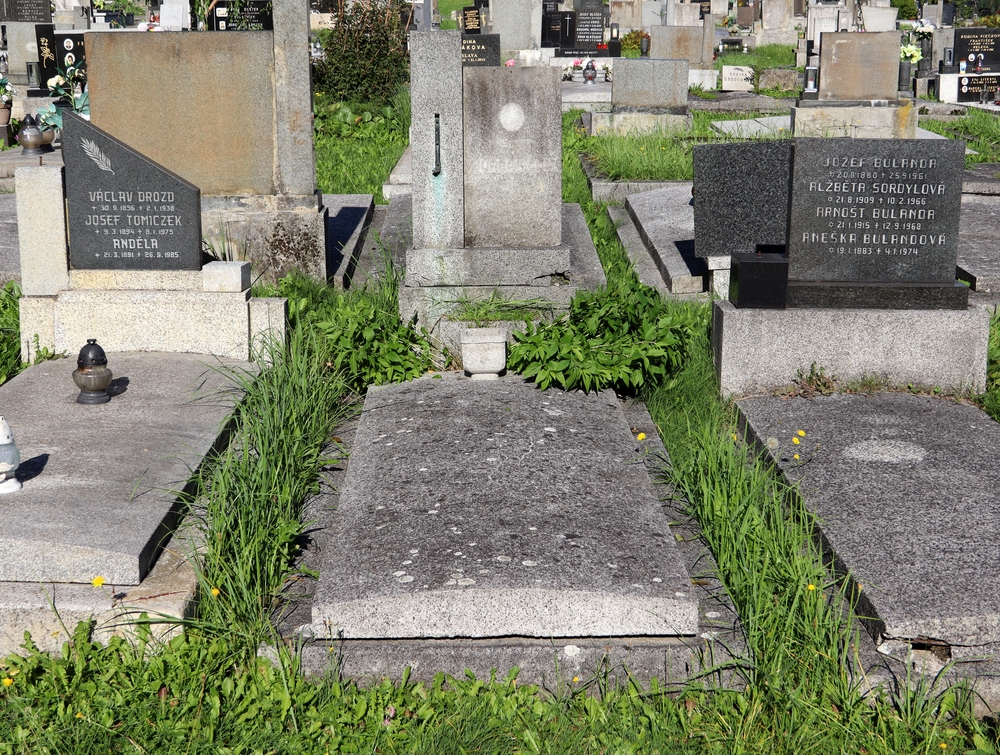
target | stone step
x=664, y=219
x=100, y=490
x=488, y=525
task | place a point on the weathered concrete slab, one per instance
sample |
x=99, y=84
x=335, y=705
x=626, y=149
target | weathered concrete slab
x=488, y=511
x=905, y=490
x=101, y=482
x=665, y=221
x=978, y=254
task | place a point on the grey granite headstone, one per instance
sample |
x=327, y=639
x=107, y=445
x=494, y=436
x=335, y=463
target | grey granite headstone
x=971, y=43
x=513, y=157
x=437, y=140
x=650, y=84
x=480, y=49
x=126, y=212
x=875, y=210
x=741, y=196
x=518, y=22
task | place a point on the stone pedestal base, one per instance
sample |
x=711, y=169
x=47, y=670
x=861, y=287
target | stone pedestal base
x=633, y=123
x=861, y=122
x=759, y=350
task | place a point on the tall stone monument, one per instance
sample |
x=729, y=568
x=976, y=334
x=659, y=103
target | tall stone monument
x=487, y=184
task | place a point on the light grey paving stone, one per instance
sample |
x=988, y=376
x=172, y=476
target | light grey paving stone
x=905, y=491
x=101, y=482
x=490, y=510
x=665, y=221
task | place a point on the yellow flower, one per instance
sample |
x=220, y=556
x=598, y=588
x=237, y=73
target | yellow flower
x=796, y=441
x=215, y=592
x=641, y=436
x=97, y=581
x=943, y=746
x=576, y=679
x=733, y=436
x=79, y=714
x=810, y=587
x=7, y=681
x=802, y=433
x=796, y=457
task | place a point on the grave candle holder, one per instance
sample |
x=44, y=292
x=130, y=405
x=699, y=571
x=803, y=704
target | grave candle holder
x=10, y=460
x=92, y=375
x=30, y=136
x=760, y=280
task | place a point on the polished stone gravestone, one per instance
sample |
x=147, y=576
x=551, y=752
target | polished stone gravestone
x=740, y=196
x=125, y=211
x=246, y=15
x=57, y=50
x=471, y=20
x=970, y=44
x=26, y=11
x=481, y=50
x=874, y=223
x=978, y=88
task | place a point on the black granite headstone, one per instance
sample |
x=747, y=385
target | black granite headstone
x=45, y=40
x=567, y=30
x=874, y=223
x=740, y=196
x=971, y=43
x=481, y=50
x=589, y=30
x=705, y=8
x=126, y=212
x=248, y=15
x=973, y=88
x=471, y=21
x=26, y=11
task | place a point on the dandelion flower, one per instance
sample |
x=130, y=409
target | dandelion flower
x=796, y=457
x=641, y=436
x=796, y=441
x=943, y=745
x=576, y=679
x=810, y=587
x=79, y=714
x=97, y=581
x=7, y=681
x=215, y=592
x=802, y=433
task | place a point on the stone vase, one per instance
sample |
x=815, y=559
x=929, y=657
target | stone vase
x=484, y=352
x=905, y=74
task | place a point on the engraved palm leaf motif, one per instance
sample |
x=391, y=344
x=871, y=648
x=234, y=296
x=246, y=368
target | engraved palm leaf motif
x=94, y=153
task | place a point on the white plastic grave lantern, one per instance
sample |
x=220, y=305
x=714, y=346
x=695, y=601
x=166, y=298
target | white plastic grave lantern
x=10, y=460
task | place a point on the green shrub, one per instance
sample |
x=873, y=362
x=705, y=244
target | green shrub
x=632, y=40
x=626, y=339
x=365, y=54
x=907, y=8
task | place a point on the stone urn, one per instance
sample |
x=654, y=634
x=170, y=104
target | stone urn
x=484, y=352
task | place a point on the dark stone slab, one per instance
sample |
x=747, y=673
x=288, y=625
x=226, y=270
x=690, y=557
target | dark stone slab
x=876, y=295
x=246, y=15
x=481, y=50
x=759, y=280
x=970, y=43
x=740, y=196
x=877, y=210
x=126, y=212
x=905, y=492
x=977, y=88
x=472, y=22
x=58, y=50
x=26, y=11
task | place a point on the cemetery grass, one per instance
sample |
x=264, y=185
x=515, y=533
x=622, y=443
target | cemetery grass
x=358, y=145
x=652, y=157
x=979, y=129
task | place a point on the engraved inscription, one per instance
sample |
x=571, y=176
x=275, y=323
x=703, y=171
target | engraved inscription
x=857, y=213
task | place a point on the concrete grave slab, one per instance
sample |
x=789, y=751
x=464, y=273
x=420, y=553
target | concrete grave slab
x=978, y=258
x=493, y=510
x=665, y=221
x=859, y=66
x=904, y=488
x=101, y=482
